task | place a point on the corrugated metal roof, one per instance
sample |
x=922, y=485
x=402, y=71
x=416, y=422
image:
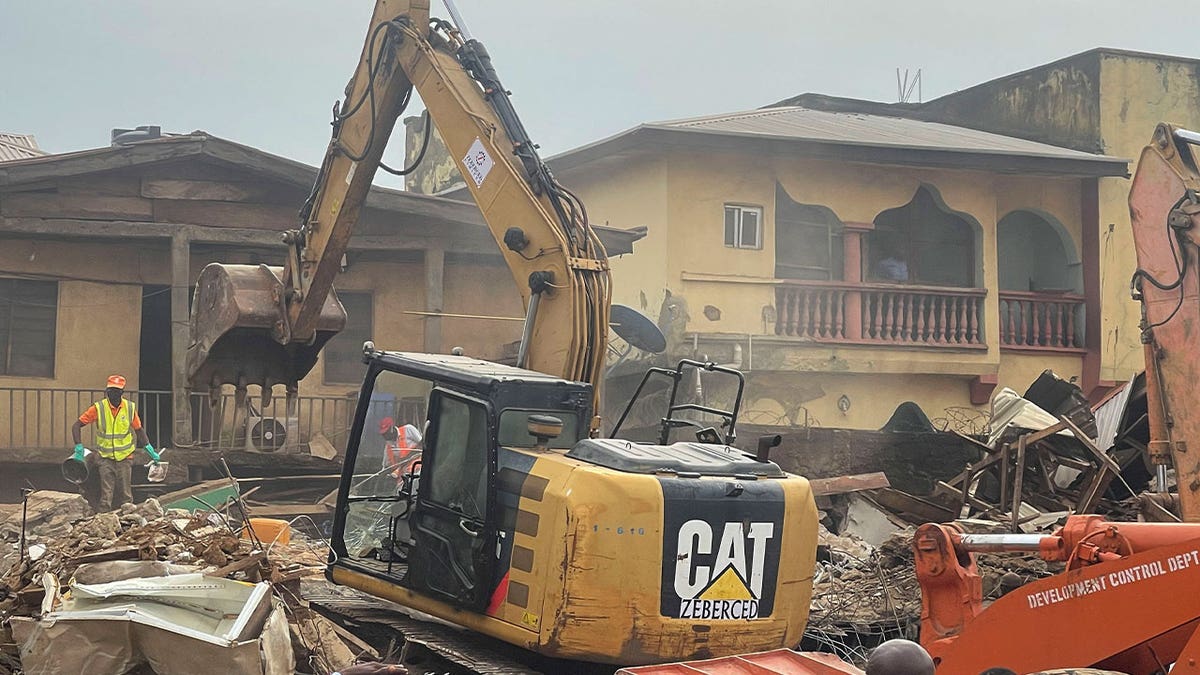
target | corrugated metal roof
x=841, y=128
x=18, y=146
x=1110, y=413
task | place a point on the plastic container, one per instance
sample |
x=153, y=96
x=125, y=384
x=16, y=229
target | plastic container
x=270, y=530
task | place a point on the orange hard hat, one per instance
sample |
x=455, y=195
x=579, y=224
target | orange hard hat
x=116, y=381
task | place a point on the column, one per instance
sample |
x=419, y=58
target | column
x=181, y=279
x=852, y=273
x=435, y=268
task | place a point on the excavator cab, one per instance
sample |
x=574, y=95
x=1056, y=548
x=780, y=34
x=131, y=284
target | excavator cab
x=432, y=525
x=515, y=523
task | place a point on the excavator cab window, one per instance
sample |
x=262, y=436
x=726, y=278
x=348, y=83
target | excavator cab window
x=387, y=465
x=514, y=429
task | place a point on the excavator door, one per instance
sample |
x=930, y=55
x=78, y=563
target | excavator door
x=454, y=533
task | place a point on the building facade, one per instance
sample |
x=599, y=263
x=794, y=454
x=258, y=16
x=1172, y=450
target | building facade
x=775, y=237
x=100, y=250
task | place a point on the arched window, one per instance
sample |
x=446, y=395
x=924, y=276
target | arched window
x=1041, y=283
x=1036, y=254
x=808, y=240
x=923, y=242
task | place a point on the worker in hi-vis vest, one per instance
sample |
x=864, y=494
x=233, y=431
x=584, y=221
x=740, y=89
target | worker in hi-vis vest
x=401, y=445
x=117, y=423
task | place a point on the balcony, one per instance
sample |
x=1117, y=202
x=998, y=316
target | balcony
x=881, y=314
x=1041, y=321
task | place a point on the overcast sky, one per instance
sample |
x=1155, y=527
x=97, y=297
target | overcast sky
x=265, y=72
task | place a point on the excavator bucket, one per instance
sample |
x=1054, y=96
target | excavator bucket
x=239, y=330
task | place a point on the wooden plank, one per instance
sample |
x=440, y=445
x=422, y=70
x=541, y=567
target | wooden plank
x=226, y=214
x=1102, y=457
x=123, y=553
x=902, y=502
x=84, y=207
x=287, y=511
x=204, y=190
x=102, y=159
x=240, y=565
x=229, y=236
x=102, y=184
x=822, y=487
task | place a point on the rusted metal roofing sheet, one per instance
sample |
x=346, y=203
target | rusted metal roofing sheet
x=843, y=128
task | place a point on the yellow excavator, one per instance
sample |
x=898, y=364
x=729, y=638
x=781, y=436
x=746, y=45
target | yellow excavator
x=519, y=522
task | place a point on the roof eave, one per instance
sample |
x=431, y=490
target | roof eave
x=992, y=161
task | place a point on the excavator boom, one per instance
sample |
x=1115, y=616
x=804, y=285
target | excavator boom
x=1165, y=211
x=287, y=314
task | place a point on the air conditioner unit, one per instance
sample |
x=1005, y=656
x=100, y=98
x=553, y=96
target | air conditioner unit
x=270, y=434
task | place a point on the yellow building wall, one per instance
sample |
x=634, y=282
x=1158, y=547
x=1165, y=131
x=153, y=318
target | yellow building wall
x=681, y=198
x=633, y=195
x=1136, y=95
x=480, y=286
x=99, y=320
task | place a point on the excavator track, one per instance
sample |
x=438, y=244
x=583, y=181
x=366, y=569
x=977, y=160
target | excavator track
x=431, y=646
x=389, y=623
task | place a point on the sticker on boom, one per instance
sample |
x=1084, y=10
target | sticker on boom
x=722, y=565
x=478, y=162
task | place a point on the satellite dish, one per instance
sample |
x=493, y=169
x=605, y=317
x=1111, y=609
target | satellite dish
x=636, y=329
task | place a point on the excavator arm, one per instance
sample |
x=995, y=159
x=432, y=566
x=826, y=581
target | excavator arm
x=1164, y=208
x=260, y=325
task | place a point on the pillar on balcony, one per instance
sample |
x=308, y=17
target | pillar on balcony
x=852, y=252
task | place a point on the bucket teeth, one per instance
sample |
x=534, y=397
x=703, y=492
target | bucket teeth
x=234, y=331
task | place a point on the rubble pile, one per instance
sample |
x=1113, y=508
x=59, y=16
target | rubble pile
x=864, y=595
x=74, y=557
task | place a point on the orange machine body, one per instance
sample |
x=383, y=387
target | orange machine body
x=1127, y=601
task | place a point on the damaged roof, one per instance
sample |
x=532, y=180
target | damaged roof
x=437, y=210
x=852, y=136
x=18, y=146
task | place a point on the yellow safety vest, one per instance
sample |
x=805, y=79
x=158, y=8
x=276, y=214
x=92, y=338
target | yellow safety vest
x=114, y=433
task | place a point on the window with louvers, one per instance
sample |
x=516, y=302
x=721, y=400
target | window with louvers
x=28, y=318
x=343, y=353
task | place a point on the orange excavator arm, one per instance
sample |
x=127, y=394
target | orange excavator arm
x=259, y=325
x=1125, y=602
x=1165, y=212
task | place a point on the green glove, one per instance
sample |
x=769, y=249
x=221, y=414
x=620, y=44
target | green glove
x=153, y=455
x=78, y=452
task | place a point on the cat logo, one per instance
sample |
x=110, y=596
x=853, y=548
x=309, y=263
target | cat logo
x=720, y=553
x=729, y=588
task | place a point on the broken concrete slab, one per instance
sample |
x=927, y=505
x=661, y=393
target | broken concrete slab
x=48, y=514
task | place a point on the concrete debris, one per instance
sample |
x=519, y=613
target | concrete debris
x=48, y=515
x=860, y=601
x=132, y=565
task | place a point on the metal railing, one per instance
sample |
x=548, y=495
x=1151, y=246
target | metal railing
x=253, y=427
x=927, y=316
x=1041, y=321
x=37, y=418
x=40, y=418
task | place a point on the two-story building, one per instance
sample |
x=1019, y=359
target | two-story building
x=850, y=255
x=849, y=262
